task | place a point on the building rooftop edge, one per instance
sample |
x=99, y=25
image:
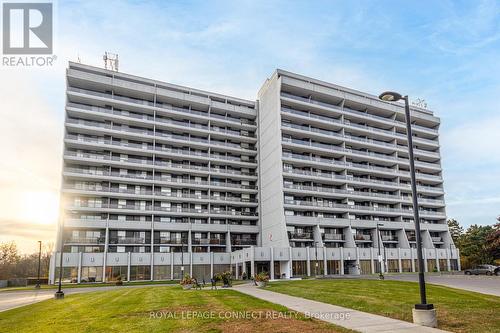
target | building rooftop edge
x=283, y=72
x=154, y=81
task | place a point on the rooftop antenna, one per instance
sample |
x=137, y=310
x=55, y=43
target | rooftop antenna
x=110, y=61
x=420, y=102
x=79, y=59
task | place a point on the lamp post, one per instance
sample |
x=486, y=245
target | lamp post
x=39, y=262
x=59, y=293
x=394, y=97
x=380, y=274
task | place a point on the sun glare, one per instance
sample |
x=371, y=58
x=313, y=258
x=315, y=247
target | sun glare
x=40, y=207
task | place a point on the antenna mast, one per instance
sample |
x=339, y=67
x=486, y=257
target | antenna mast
x=110, y=61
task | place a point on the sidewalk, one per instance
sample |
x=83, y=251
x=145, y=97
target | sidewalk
x=358, y=321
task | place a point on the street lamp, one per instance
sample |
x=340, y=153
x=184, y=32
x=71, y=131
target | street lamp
x=59, y=293
x=39, y=261
x=380, y=274
x=390, y=96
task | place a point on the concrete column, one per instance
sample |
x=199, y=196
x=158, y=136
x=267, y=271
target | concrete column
x=172, y=265
x=426, y=269
x=290, y=262
x=400, y=265
x=308, y=262
x=412, y=261
x=79, y=267
x=357, y=261
x=371, y=260
x=211, y=264
x=341, y=261
x=191, y=263
x=128, y=267
x=237, y=270
x=252, y=262
x=437, y=260
x=448, y=256
x=271, y=273
x=105, y=255
x=325, y=269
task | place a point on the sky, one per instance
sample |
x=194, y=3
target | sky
x=446, y=52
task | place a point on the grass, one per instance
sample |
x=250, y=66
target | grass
x=175, y=310
x=87, y=285
x=457, y=310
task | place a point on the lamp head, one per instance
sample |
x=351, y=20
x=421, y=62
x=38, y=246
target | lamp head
x=390, y=96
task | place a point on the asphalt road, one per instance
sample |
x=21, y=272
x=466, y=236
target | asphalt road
x=478, y=283
x=13, y=299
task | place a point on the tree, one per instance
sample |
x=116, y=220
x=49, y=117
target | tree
x=9, y=257
x=493, y=242
x=472, y=245
x=455, y=230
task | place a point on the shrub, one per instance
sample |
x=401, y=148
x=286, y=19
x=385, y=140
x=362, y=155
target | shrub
x=262, y=277
x=187, y=279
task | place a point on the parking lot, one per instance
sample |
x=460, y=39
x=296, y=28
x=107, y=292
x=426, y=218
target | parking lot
x=478, y=283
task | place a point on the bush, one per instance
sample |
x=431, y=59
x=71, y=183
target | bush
x=225, y=277
x=119, y=281
x=262, y=277
x=187, y=280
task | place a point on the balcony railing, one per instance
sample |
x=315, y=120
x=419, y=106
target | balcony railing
x=127, y=240
x=174, y=241
x=86, y=240
x=301, y=235
x=328, y=236
x=243, y=241
x=389, y=238
x=363, y=237
x=437, y=239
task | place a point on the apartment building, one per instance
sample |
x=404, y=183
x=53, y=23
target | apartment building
x=161, y=180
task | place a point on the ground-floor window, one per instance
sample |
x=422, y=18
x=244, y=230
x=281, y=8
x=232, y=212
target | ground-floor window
x=431, y=265
x=91, y=274
x=406, y=265
x=299, y=268
x=443, y=264
x=221, y=268
x=392, y=266
x=454, y=264
x=69, y=275
x=113, y=272
x=161, y=272
x=201, y=272
x=179, y=272
x=317, y=267
x=139, y=273
x=333, y=267
x=365, y=267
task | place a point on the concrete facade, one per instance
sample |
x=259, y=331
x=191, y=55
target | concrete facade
x=161, y=180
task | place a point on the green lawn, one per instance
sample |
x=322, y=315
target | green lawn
x=86, y=285
x=108, y=284
x=129, y=310
x=458, y=310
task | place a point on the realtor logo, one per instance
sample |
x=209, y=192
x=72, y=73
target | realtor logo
x=27, y=28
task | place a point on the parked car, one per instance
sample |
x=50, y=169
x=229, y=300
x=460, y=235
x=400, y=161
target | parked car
x=483, y=269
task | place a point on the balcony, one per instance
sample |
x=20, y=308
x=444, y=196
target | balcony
x=173, y=241
x=333, y=237
x=437, y=239
x=243, y=241
x=86, y=240
x=127, y=240
x=363, y=237
x=348, y=111
x=389, y=238
x=301, y=235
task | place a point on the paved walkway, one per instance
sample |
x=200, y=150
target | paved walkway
x=357, y=320
x=16, y=298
